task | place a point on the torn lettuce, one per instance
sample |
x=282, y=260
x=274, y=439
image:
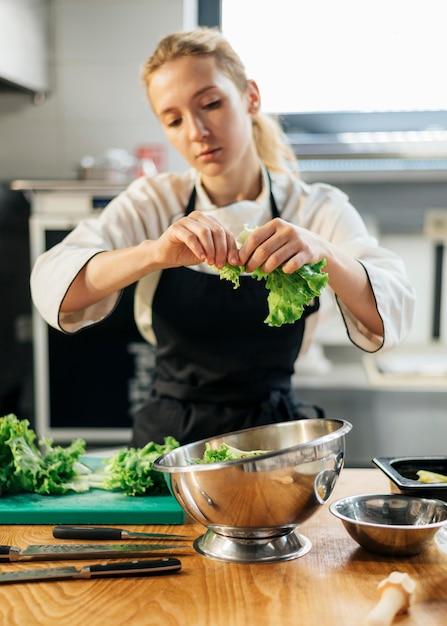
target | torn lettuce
x=288, y=294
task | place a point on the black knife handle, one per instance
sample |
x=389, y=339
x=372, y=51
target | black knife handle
x=83, y=532
x=135, y=568
x=5, y=553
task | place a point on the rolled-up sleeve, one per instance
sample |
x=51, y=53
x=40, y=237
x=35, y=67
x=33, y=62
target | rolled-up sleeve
x=55, y=270
x=143, y=211
x=326, y=210
x=395, y=302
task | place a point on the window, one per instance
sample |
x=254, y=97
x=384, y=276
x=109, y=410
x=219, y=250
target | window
x=383, y=62
x=336, y=55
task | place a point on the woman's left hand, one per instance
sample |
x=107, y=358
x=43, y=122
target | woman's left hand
x=281, y=244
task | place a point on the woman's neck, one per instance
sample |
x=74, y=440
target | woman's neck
x=224, y=190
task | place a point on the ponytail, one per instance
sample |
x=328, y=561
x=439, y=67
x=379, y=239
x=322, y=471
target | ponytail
x=271, y=144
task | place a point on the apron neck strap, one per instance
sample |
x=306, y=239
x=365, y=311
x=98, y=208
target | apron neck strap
x=274, y=208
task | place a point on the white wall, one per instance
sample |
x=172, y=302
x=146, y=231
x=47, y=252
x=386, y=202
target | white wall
x=96, y=101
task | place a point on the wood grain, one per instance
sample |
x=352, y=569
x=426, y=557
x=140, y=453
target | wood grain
x=335, y=583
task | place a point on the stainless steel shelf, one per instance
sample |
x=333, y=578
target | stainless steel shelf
x=367, y=170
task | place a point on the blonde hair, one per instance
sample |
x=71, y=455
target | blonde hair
x=268, y=135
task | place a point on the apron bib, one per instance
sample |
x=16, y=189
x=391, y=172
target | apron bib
x=219, y=367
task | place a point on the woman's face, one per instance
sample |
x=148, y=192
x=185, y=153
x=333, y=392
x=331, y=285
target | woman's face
x=203, y=114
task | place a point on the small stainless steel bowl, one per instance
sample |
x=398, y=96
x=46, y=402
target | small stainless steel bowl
x=394, y=524
x=252, y=506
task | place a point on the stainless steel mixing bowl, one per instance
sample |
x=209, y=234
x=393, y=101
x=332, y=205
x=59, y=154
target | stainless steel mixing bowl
x=391, y=523
x=252, y=506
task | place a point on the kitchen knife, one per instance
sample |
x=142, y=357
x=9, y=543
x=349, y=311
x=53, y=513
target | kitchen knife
x=80, y=551
x=92, y=532
x=108, y=570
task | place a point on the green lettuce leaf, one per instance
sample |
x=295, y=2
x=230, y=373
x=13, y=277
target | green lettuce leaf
x=288, y=294
x=231, y=273
x=25, y=467
x=225, y=452
x=48, y=469
x=130, y=470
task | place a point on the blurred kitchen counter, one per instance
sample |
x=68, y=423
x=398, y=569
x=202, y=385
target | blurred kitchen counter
x=408, y=367
x=392, y=413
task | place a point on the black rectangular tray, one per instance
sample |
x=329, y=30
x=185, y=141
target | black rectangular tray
x=402, y=472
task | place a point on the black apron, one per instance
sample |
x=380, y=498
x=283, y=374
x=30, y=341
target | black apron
x=219, y=367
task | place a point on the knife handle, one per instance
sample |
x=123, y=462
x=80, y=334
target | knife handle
x=5, y=553
x=134, y=568
x=83, y=532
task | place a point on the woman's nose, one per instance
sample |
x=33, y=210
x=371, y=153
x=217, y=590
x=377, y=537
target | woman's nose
x=197, y=129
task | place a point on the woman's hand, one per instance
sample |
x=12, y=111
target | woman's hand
x=281, y=244
x=193, y=239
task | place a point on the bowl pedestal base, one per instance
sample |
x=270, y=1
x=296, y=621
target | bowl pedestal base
x=252, y=549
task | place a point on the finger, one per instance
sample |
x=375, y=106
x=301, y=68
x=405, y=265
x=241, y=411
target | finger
x=216, y=241
x=181, y=234
x=221, y=244
x=296, y=262
x=254, y=240
x=266, y=261
x=268, y=255
x=233, y=251
x=224, y=245
x=263, y=243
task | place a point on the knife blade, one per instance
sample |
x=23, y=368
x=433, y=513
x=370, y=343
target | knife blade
x=50, y=552
x=93, y=532
x=107, y=570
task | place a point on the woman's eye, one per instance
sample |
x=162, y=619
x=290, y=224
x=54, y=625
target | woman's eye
x=174, y=123
x=212, y=105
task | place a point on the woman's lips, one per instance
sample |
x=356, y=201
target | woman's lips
x=207, y=155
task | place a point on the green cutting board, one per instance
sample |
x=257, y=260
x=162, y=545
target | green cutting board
x=92, y=507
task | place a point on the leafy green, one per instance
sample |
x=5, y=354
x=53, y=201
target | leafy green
x=130, y=470
x=290, y=293
x=24, y=467
x=231, y=273
x=225, y=452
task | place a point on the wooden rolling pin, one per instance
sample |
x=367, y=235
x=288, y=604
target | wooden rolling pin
x=395, y=596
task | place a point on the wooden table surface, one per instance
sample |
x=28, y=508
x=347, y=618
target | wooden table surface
x=335, y=583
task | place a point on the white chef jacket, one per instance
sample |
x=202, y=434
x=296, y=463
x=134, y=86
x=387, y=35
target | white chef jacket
x=149, y=205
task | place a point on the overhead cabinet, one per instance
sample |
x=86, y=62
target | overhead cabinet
x=24, y=45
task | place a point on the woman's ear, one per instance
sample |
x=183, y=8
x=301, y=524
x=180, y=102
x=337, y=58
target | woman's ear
x=254, y=97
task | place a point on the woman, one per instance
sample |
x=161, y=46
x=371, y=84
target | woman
x=218, y=366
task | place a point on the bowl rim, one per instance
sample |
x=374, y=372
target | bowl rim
x=345, y=427
x=334, y=506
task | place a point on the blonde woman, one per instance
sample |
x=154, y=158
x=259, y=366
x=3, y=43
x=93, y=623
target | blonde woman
x=219, y=367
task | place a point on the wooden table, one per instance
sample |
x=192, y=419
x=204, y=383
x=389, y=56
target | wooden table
x=334, y=583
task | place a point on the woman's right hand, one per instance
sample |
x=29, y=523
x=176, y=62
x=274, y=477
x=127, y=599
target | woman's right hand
x=193, y=239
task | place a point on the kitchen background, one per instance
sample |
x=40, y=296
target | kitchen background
x=81, y=97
